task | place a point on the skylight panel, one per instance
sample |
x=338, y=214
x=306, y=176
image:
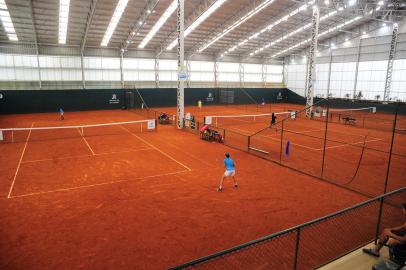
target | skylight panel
x=168, y=12
x=121, y=5
x=63, y=20
x=199, y=20
x=7, y=22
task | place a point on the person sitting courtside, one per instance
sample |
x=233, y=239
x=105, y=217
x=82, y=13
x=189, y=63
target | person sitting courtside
x=390, y=237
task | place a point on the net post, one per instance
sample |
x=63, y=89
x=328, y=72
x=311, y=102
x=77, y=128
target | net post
x=280, y=150
x=296, y=248
x=391, y=147
x=156, y=125
x=325, y=140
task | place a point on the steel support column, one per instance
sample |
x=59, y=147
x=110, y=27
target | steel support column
x=311, y=68
x=181, y=58
x=329, y=74
x=84, y=38
x=83, y=71
x=216, y=73
x=121, y=69
x=188, y=74
x=264, y=73
x=36, y=44
x=156, y=70
x=285, y=74
x=241, y=73
x=389, y=70
x=354, y=92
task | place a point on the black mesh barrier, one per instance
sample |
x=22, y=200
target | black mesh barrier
x=368, y=160
x=314, y=243
x=236, y=140
x=325, y=241
x=277, y=253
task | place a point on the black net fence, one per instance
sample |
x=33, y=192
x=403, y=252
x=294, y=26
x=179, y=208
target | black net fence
x=315, y=243
x=361, y=149
x=367, y=159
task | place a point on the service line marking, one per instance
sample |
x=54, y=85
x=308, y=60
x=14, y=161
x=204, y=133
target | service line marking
x=96, y=185
x=19, y=162
x=156, y=148
x=79, y=156
x=84, y=139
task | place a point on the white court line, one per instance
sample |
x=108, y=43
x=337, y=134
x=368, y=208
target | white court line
x=84, y=139
x=350, y=144
x=79, y=156
x=319, y=149
x=159, y=150
x=192, y=156
x=300, y=145
x=95, y=185
x=19, y=162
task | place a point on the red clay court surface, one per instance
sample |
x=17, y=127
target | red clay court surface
x=139, y=200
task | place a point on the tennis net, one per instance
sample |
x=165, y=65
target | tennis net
x=15, y=135
x=241, y=119
x=340, y=113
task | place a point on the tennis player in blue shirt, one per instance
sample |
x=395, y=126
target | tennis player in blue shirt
x=61, y=113
x=230, y=171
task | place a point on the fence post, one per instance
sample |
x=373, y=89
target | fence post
x=296, y=249
x=391, y=148
x=249, y=143
x=378, y=223
x=325, y=139
x=280, y=150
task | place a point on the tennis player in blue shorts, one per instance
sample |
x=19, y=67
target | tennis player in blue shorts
x=230, y=171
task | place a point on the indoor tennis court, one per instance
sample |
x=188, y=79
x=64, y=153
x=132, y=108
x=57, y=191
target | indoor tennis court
x=202, y=134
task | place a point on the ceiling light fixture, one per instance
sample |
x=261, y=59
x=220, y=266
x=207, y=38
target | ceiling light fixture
x=237, y=23
x=168, y=12
x=121, y=5
x=63, y=20
x=198, y=21
x=7, y=22
x=330, y=30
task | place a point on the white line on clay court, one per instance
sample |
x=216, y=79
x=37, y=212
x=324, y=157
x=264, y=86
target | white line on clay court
x=79, y=156
x=319, y=149
x=156, y=148
x=19, y=162
x=95, y=185
x=84, y=139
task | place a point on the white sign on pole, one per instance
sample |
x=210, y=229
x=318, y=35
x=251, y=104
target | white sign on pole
x=324, y=113
x=293, y=115
x=151, y=124
x=182, y=73
x=1, y=135
x=373, y=109
x=208, y=120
